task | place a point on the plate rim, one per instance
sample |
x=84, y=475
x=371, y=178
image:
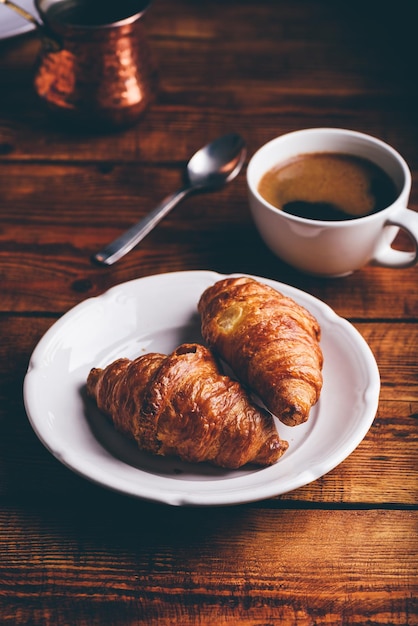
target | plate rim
x=22, y=26
x=235, y=493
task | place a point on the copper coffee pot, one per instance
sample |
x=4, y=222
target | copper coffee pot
x=94, y=67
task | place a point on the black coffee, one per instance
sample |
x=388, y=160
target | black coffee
x=328, y=186
x=93, y=12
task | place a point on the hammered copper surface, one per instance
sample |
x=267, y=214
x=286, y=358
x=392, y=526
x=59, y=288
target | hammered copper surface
x=101, y=77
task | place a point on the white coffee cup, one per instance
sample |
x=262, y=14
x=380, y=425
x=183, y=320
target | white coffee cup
x=334, y=248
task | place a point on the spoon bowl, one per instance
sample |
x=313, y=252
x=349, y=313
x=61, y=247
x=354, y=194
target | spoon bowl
x=217, y=163
x=209, y=169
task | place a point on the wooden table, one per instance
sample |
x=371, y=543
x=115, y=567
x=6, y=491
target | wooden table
x=341, y=550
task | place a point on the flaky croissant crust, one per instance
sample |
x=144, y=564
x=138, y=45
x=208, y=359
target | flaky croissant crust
x=270, y=342
x=181, y=404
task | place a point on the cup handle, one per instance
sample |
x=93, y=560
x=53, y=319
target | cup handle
x=407, y=220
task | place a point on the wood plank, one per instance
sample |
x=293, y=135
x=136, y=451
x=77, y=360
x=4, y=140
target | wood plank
x=291, y=72
x=34, y=280
x=379, y=471
x=45, y=264
x=41, y=283
x=35, y=136
x=224, y=566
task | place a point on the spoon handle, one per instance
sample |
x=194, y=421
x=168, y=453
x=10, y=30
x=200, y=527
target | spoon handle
x=128, y=240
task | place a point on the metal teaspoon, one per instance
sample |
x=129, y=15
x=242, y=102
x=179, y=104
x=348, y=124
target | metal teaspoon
x=208, y=170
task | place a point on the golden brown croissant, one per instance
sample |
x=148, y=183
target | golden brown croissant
x=182, y=405
x=270, y=342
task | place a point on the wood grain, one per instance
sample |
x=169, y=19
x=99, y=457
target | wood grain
x=54, y=217
x=303, y=65
x=222, y=566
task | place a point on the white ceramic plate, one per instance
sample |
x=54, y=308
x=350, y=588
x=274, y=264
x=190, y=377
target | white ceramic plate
x=158, y=313
x=11, y=23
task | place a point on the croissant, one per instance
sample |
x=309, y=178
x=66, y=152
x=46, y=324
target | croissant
x=182, y=405
x=270, y=342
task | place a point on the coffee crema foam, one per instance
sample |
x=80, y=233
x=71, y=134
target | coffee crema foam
x=328, y=186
